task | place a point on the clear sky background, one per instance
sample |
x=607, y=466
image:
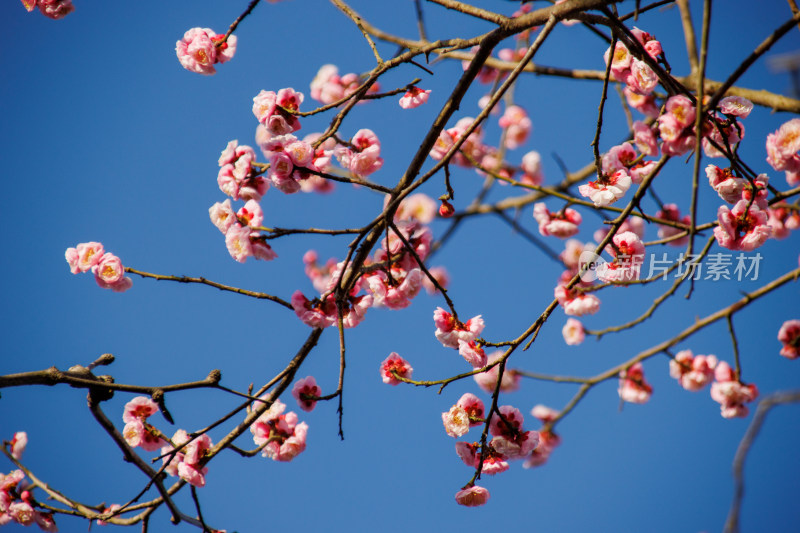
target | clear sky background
x=105, y=137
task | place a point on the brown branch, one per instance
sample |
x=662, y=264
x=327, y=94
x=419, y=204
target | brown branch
x=204, y=281
x=236, y=22
x=764, y=406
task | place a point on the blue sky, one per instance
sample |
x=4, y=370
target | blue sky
x=107, y=138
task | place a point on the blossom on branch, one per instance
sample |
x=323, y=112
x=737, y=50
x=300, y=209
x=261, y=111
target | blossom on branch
x=414, y=97
x=306, y=391
x=561, y=224
x=199, y=50
x=273, y=110
x=394, y=364
x=362, y=156
x=106, y=267
x=488, y=380
x=693, y=372
x=742, y=228
x=731, y=393
x=450, y=331
x=789, y=335
x=473, y=496
x=632, y=386
x=607, y=189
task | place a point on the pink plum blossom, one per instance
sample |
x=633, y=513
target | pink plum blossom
x=108, y=270
x=645, y=104
x=681, y=108
x=417, y=207
x=281, y=436
x=450, y=331
x=473, y=496
x=474, y=408
x=197, y=449
x=21, y=512
x=517, y=125
x=45, y=521
x=273, y=110
x=730, y=393
x=110, y=274
x=85, y=256
x=139, y=408
x=18, y=444
x=737, y=106
x=573, y=332
x=741, y=228
x=727, y=186
x=782, y=219
x=571, y=255
x=222, y=215
x=632, y=386
x=561, y=224
x=575, y=303
x=315, y=314
x=607, y=189
x=783, y=145
x=251, y=214
x=644, y=138
x=789, y=335
x=198, y=50
x=305, y=391
x=237, y=240
x=456, y=421
x=641, y=79
x=532, y=168
x=186, y=463
x=515, y=445
x=328, y=86
x=620, y=157
x=620, y=61
x=414, y=97
x=472, y=353
x=362, y=157
x=488, y=380
x=398, y=292
x=544, y=414
x=628, y=252
x=137, y=432
x=395, y=364
x=693, y=372
x=508, y=427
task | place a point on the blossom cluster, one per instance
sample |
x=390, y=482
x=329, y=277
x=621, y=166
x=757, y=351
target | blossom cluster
x=635, y=73
x=392, y=279
x=746, y=226
x=106, y=267
x=279, y=435
x=510, y=441
x=186, y=456
x=17, y=504
x=329, y=87
x=693, y=373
